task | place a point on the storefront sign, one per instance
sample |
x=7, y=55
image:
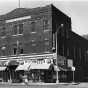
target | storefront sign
x=4, y=63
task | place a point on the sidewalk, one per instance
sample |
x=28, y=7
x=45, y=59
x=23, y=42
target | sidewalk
x=41, y=84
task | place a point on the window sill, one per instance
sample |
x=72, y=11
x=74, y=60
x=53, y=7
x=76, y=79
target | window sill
x=32, y=32
x=17, y=35
x=3, y=37
x=45, y=30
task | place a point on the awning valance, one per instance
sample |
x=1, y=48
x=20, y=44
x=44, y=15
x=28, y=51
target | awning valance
x=23, y=67
x=2, y=68
x=39, y=66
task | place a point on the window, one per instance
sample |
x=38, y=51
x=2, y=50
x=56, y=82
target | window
x=67, y=32
x=3, y=31
x=14, y=30
x=33, y=26
x=46, y=45
x=45, y=25
x=62, y=31
x=21, y=48
x=63, y=48
x=14, y=46
x=85, y=56
x=67, y=50
x=17, y=29
x=20, y=28
x=33, y=47
x=74, y=51
x=80, y=53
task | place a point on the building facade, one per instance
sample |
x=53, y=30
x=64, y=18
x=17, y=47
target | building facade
x=28, y=46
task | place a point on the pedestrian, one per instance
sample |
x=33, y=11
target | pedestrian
x=26, y=79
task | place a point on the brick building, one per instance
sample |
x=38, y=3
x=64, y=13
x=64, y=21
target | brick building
x=28, y=46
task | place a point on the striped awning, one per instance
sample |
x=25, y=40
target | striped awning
x=39, y=66
x=24, y=67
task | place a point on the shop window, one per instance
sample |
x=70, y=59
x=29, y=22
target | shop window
x=46, y=25
x=3, y=31
x=33, y=26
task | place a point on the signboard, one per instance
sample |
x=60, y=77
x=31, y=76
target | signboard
x=18, y=19
x=4, y=62
x=69, y=63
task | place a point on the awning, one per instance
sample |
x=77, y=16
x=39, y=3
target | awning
x=2, y=68
x=39, y=66
x=62, y=68
x=23, y=67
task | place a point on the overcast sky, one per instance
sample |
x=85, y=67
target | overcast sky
x=76, y=9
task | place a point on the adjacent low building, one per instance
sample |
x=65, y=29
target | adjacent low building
x=29, y=39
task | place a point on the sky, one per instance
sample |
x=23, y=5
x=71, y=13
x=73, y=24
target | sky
x=77, y=10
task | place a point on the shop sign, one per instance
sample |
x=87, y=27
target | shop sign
x=4, y=63
x=62, y=62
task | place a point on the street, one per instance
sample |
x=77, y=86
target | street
x=82, y=85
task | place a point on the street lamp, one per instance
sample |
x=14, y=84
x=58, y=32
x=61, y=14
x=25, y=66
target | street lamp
x=73, y=69
x=57, y=81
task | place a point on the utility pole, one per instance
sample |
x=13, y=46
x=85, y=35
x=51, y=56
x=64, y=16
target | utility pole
x=19, y=3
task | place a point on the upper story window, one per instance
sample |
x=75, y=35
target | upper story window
x=3, y=31
x=85, y=55
x=80, y=53
x=33, y=26
x=67, y=31
x=17, y=29
x=62, y=31
x=67, y=50
x=21, y=48
x=46, y=45
x=74, y=51
x=33, y=46
x=46, y=25
x=14, y=47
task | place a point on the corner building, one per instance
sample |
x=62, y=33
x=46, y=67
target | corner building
x=28, y=46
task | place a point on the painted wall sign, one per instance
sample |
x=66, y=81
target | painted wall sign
x=18, y=19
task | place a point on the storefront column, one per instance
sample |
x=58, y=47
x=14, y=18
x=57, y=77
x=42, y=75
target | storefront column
x=2, y=76
x=10, y=77
x=39, y=76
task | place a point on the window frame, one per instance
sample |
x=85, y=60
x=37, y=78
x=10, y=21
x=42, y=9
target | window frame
x=18, y=29
x=3, y=32
x=44, y=25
